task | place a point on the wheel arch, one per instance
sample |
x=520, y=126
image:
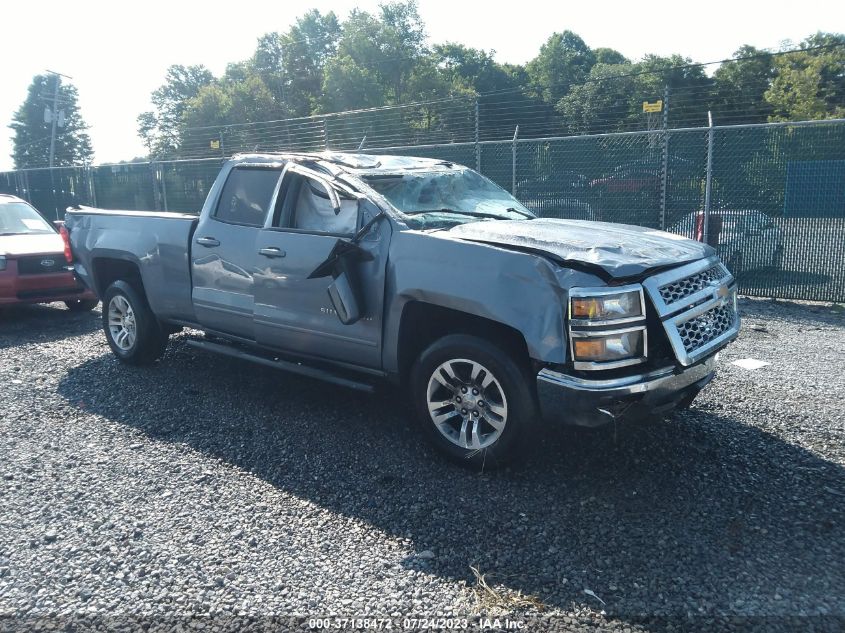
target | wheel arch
x=106, y=269
x=422, y=323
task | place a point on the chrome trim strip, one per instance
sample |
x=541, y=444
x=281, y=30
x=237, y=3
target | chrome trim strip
x=639, y=383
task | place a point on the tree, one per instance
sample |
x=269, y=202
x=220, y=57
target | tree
x=348, y=86
x=161, y=129
x=564, y=61
x=383, y=51
x=609, y=56
x=609, y=100
x=810, y=84
x=690, y=89
x=471, y=70
x=31, y=144
x=292, y=64
x=741, y=87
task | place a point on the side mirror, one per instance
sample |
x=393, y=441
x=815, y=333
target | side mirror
x=344, y=294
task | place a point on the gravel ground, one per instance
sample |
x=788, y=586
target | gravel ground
x=207, y=486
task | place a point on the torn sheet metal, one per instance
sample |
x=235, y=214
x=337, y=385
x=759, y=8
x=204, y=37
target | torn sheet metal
x=620, y=250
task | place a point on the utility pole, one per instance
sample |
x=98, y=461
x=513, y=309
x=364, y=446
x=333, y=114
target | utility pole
x=54, y=114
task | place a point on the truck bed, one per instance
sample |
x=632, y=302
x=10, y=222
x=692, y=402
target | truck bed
x=158, y=243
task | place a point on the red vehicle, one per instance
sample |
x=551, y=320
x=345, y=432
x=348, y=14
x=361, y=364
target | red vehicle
x=35, y=260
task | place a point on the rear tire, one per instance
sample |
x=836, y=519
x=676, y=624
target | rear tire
x=132, y=331
x=81, y=305
x=473, y=400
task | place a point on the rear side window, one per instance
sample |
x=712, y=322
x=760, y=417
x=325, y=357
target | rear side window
x=246, y=195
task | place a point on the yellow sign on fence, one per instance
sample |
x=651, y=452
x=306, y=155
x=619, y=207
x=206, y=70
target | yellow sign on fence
x=657, y=106
x=215, y=144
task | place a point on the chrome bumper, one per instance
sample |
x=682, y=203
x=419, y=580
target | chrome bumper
x=572, y=400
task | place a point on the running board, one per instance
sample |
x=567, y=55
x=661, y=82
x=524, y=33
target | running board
x=296, y=368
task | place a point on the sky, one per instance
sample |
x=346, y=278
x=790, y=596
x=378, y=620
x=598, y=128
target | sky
x=117, y=53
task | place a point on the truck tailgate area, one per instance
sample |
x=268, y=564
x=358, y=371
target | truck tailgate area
x=157, y=243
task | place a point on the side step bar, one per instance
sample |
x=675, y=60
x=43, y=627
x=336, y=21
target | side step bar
x=296, y=368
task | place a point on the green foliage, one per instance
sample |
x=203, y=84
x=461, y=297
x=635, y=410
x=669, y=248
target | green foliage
x=741, y=86
x=160, y=129
x=293, y=64
x=564, y=61
x=810, y=84
x=32, y=134
x=382, y=58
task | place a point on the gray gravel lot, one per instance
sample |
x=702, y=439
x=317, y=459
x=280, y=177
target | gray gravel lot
x=208, y=486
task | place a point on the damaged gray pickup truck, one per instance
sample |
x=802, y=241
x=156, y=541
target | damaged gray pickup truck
x=361, y=269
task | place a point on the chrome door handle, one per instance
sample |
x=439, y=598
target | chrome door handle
x=208, y=241
x=272, y=252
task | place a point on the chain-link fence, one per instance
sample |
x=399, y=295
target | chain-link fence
x=770, y=197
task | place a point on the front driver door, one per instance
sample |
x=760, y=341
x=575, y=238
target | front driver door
x=294, y=313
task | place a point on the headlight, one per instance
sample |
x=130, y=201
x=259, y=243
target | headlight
x=612, y=306
x=601, y=347
x=607, y=327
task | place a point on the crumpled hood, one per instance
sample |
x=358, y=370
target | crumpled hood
x=31, y=244
x=621, y=250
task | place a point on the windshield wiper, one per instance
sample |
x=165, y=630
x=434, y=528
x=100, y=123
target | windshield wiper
x=471, y=214
x=524, y=214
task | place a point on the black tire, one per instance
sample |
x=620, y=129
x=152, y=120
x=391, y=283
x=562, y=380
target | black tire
x=150, y=340
x=81, y=305
x=510, y=377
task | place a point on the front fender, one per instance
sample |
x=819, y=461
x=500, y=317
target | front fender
x=521, y=290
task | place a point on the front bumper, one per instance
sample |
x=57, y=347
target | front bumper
x=572, y=400
x=59, y=286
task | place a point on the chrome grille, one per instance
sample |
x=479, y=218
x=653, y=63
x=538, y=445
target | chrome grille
x=696, y=303
x=683, y=288
x=706, y=327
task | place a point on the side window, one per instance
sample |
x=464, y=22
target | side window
x=246, y=195
x=311, y=210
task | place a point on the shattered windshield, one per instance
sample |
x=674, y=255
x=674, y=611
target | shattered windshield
x=438, y=198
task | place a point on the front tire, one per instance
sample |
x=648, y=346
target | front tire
x=132, y=331
x=81, y=305
x=474, y=401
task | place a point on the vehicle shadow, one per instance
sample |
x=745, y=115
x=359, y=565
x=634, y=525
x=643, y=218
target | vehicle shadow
x=700, y=512
x=40, y=323
x=764, y=279
x=799, y=315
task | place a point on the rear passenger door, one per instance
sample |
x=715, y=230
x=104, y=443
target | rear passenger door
x=223, y=249
x=295, y=313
